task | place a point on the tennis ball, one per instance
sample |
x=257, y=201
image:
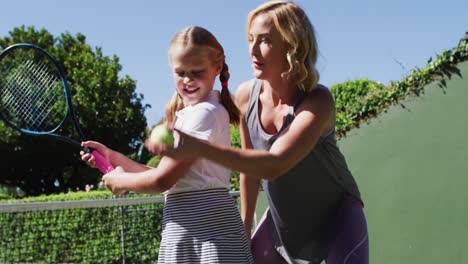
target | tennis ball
x=162, y=135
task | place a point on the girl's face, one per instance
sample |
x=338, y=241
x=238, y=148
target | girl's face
x=193, y=72
x=266, y=48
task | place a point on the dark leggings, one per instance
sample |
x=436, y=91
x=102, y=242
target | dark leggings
x=349, y=243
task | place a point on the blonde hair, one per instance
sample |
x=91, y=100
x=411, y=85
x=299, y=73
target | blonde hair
x=200, y=37
x=298, y=33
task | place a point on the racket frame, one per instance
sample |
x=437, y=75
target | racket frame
x=103, y=165
x=70, y=112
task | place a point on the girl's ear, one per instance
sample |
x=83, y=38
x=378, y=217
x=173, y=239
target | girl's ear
x=219, y=67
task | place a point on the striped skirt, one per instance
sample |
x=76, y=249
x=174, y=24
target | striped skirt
x=203, y=226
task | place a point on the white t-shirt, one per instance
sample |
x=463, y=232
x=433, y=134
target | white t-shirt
x=209, y=121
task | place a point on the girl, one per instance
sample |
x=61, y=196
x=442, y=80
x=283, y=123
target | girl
x=287, y=132
x=201, y=223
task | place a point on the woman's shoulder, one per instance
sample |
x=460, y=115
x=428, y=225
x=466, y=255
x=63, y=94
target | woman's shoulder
x=320, y=93
x=318, y=106
x=320, y=97
x=243, y=93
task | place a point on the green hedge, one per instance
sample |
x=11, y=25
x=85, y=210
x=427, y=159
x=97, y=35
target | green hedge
x=81, y=235
x=348, y=97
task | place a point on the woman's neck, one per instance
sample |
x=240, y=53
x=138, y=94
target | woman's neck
x=280, y=92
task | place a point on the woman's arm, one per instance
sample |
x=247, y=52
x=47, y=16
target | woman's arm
x=249, y=186
x=312, y=120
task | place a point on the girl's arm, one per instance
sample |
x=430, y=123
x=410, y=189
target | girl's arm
x=133, y=176
x=114, y=157
x=154, y=180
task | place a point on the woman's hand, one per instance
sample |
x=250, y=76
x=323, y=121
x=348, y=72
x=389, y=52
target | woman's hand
x=89, y=158
x=155, y=148
x=185, y=147
x=113, y=181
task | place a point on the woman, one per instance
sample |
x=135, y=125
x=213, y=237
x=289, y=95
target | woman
x=288, y=139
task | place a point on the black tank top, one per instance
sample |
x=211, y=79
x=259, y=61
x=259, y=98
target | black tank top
x=302, y=201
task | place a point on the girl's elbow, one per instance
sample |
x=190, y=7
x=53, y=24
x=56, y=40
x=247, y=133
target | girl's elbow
x=162, y=184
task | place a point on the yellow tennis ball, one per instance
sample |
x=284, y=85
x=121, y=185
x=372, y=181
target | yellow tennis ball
x=162, y=135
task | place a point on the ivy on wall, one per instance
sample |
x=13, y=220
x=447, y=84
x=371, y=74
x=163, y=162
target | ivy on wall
x=359, y=100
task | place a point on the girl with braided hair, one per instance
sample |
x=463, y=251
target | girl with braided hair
x=201, y=222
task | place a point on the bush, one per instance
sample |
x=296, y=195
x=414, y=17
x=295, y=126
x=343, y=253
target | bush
x=83, y=235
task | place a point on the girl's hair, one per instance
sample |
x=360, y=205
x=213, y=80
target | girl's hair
x=298, y=33
x=200, y=37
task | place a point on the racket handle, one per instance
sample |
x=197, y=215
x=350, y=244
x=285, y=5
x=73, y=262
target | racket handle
x=101, y=163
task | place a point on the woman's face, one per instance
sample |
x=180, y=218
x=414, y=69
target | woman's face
x=267, y=48
x=193, y=72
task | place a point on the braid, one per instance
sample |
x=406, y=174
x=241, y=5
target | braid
x=226, y=97
x=224, y=75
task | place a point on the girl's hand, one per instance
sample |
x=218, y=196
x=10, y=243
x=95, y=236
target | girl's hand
x=113, y=180
x=88, y=158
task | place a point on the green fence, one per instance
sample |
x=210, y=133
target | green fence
x=123, y=230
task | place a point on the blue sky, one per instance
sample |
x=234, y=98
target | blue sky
x=379, y=40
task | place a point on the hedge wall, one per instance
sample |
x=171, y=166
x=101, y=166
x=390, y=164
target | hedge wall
x=98, y=235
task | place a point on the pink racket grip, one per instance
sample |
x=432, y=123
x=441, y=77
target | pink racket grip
x=101, y=163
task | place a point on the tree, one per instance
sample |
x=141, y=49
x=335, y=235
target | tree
x=108, y=110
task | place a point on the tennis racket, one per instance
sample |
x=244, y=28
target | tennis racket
x=35, y=98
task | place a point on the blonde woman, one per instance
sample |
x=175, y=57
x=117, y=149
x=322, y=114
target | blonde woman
x=288, y=143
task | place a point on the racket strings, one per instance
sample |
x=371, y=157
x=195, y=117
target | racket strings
x=20, y=101
x=33, y=96
x=44, y=80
